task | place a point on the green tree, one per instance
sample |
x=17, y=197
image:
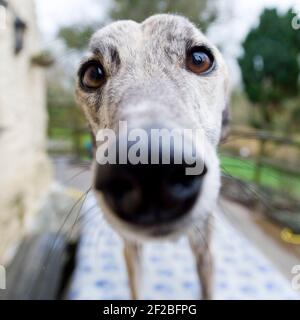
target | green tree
x=269, y=65
x=76, y=36
x=201, y=12
x=270, y=69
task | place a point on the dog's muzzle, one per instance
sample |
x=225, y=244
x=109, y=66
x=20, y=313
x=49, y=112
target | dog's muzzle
x=149, y=194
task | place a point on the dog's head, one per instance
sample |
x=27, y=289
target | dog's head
x=159, y=74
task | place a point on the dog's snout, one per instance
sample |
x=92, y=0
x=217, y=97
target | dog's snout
x=149, y=194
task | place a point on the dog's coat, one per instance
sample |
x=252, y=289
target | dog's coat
x=147, y=81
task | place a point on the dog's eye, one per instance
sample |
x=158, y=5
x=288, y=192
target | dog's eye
x=200, y=60
x=92, y=75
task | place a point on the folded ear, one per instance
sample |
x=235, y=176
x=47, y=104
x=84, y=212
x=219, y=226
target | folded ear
x=225, y=122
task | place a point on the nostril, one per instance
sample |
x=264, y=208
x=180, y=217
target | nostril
x=119, y=187
x=123, y=194
x=180, y=186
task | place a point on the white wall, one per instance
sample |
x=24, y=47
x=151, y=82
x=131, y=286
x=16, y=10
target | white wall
x=24, y=168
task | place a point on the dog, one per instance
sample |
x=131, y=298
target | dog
x=161, y=73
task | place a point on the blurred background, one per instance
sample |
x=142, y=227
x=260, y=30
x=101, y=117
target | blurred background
x=46, y=145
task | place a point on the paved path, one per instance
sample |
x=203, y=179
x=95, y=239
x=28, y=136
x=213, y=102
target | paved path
x=239, y=235
x=241, y=270
x=264, y=235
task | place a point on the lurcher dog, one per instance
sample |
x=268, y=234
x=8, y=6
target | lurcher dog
x=161, y=73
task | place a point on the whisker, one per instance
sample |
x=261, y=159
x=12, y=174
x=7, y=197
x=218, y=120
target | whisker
x=82, y=216
x=44, y=267
x=78, y=213
x=252, y=190
x=76, y=175
x=248, y=166
x=83, y=196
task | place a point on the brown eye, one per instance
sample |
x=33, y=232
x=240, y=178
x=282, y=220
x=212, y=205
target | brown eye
x=200, y=60
x=92, y=75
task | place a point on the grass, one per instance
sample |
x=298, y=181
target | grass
x=244, y=169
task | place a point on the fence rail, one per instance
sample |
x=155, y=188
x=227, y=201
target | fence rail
x=261, y=159
x=266, y=136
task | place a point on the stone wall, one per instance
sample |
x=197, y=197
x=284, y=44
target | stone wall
x=25, y=172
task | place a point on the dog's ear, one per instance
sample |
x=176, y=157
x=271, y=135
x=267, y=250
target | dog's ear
x=225, y=122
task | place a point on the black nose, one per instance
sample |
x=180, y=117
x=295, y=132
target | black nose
x=149, y=194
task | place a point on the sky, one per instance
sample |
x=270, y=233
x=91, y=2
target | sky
x=229, y=31
x=55, y=13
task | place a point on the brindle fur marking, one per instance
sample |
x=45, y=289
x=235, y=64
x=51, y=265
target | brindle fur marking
x=147, y=81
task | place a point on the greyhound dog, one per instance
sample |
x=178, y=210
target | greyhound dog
x=161, y=73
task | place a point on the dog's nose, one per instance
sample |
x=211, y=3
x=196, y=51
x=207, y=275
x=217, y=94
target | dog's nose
x=149, y=194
